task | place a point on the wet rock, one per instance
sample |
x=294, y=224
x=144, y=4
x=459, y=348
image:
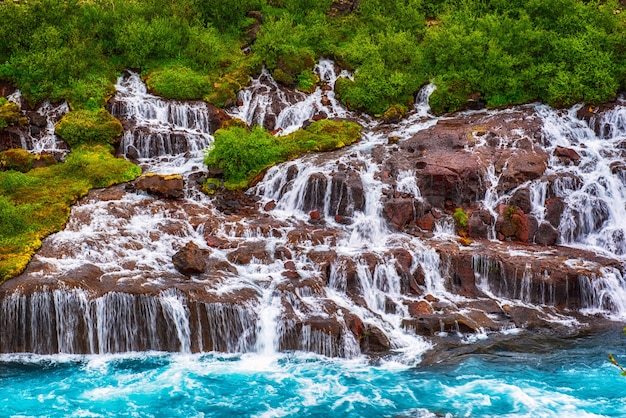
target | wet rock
x=315, y=196
x=191, y=259
x=567, y=155
x=399, y=211
x=522, y=166
x=521, y=199
x=249, y=252
x=546, y=234
x=417, y=309
x=374, y=340
x=282, y=253
x=170, y=186
x=426, y=222
x=513, y=223
x=554, y=209
x=347, y=194
x=479, y=224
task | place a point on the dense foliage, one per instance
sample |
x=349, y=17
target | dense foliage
x=37, y=203
x=498, y=52
x=243, y=153
x=89, y=126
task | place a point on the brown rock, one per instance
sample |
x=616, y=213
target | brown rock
x=168, y=186
x=417, y=309
x=190, y=259
x=546, y=234
x=567, y=155
x=399, y=211
x=426, y=222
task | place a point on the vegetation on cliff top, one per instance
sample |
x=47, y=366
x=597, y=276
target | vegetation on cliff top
x=242, y=153
x=493, y=51
x=37, y=203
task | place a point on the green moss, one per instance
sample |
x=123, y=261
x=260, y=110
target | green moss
x=16, y=159
x=37, y=203
x=461, y=218
x=242, y=154
x=395, y=113
x=10, y=114
x=89, y=127
x=179, y=83
x=211, y=185
x=307, y=81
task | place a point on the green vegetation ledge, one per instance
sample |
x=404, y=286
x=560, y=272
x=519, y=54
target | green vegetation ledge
x=37, y=203
x=243, y=153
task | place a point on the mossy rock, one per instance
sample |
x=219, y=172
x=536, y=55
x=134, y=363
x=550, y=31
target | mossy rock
x=235, y=122
x=44, y=160
x=89, y=127
x=211, y=185
x=284, y=78
x=179, y=82
x=10, y=114
x=16, y=159
x=395, y=113
x=307, y=81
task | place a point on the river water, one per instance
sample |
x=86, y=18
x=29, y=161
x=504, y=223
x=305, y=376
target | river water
x=564, y=378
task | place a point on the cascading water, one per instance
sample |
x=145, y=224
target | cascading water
x=326, y=263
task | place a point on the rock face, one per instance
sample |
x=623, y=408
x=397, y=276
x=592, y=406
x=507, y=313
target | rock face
x=447, y=230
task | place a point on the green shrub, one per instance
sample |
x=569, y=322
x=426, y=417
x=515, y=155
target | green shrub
x=16, y=159
x=179, y=83
x=10, y=114
x=89, y=127
x=242, y=153
x=461, y=218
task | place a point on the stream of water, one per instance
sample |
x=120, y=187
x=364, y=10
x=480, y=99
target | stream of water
x=247, y=341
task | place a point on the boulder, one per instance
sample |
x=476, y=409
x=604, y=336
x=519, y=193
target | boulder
x=191, y=259
x=170, y=186
x=567, y=155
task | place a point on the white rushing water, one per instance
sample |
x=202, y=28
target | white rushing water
x=340, y=278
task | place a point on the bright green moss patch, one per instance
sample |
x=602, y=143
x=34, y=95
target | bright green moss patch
x=37, y=203
x=179, y=83
x=242, y=154
x=89, y=127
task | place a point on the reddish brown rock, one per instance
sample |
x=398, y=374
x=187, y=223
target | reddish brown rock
x=426, y=222
x=168, y=186
x=190, y=259
x=422, y=307
x=399, y=211
x=522, y=166
x=567, y=155
x=248, y=252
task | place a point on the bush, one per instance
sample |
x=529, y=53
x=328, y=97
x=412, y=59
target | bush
x=179, y=83
x=10, y=114
x=242, y=153
x=16, y=159
x=89, y=126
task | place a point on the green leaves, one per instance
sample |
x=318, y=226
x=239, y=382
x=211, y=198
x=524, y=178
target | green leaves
x=243, y=153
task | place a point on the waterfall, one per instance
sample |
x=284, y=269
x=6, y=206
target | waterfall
x=312, y=258
x=168, y=134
